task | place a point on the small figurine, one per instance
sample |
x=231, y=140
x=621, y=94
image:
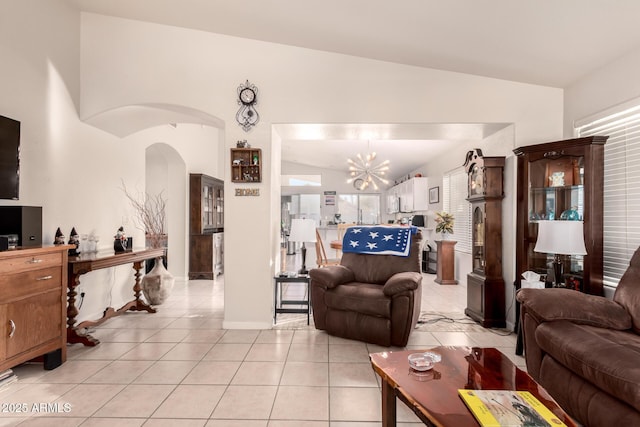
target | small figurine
x=59, y=239
x=120, y=241
x=74, y=239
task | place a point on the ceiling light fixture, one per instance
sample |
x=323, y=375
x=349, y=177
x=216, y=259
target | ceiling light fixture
x=363, y=173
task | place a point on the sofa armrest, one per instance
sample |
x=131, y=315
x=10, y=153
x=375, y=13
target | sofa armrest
x=400, y=282
x=565, y=304
x=331, y=276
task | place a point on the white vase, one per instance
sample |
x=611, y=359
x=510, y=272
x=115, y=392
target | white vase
x=157, y=283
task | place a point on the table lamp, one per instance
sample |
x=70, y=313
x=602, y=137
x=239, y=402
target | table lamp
x=560, y=238
x=303, y=230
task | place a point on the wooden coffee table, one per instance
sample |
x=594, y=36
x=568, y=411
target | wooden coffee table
x=433, y=395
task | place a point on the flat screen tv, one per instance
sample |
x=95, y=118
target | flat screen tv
x=9, y=158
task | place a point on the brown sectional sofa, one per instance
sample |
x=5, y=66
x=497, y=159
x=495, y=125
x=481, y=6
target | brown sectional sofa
x=585, y=349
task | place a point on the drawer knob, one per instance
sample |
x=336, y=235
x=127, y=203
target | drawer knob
x=13, y=328
x=34, y=261
x=45, y=278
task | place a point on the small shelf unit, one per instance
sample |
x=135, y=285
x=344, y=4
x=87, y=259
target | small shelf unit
x=246, y=165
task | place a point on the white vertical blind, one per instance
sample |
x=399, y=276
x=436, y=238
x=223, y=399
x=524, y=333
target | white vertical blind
x=454, y=201
x=621, y=189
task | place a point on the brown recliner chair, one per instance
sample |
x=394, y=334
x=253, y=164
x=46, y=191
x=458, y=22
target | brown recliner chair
x=585, y=349
x=370, y=298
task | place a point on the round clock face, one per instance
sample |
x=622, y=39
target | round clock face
x=247, y=96
x=358, y=184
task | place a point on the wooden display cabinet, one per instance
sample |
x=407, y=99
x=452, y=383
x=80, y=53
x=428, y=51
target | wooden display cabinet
x=206, y=225
x=485, y=284
x=246, y=165
x=558, y=180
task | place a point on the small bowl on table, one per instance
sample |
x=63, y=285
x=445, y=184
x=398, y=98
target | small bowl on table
x=423, y=361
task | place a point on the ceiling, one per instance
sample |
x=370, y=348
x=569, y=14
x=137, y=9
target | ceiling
x=544, y=42
x=406, y=146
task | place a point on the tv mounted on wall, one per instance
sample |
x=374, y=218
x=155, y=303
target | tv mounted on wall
x=9, y=158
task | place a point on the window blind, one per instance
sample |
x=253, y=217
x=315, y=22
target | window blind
x=454, y=201
x=621, y=189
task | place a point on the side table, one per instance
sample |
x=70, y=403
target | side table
x=277, y=296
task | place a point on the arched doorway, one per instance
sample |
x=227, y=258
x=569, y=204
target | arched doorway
x=166, y=172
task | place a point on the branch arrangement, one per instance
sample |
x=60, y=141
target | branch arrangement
x=150, y=215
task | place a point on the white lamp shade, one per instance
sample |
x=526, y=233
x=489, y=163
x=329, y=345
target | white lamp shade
x=561, y=237
x=302, y=230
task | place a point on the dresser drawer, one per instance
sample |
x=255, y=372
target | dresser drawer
x=16, y=286
x=19, y=264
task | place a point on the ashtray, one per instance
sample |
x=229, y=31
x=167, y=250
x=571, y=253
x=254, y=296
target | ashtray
x=423, y=361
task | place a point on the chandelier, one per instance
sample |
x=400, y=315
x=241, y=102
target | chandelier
x=364, y=173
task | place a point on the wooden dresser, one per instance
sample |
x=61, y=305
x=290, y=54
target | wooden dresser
x=33, y=283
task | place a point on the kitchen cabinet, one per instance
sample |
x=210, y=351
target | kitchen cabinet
x=33, y=284
x=412, y=195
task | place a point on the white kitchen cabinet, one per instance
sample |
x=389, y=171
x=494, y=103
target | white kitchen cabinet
x=413, y=195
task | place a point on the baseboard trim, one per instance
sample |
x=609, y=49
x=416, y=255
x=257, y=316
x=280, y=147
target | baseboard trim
x=226, y=324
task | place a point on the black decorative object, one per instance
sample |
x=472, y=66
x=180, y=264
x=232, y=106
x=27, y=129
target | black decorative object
x=247, y=116
x=59, y=239
x=74, y=239
x=120, y=241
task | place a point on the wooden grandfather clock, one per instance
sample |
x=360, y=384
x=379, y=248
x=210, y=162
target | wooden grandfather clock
x=485, y=284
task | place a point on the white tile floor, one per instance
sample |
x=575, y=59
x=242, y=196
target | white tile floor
x=178, y=367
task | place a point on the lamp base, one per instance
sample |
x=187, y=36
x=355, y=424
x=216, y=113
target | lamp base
x=303, y=251
x=557, y=272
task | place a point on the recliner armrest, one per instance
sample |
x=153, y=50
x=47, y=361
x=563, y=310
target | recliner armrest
x=400, y=282
x=331, y=276
x=565, y=304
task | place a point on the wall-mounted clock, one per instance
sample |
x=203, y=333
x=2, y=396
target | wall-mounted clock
x=358, y=184
x=247, y=116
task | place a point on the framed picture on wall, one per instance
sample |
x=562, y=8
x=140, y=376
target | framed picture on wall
x=434, y=195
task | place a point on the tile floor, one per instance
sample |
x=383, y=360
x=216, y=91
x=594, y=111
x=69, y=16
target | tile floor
x=179, y=368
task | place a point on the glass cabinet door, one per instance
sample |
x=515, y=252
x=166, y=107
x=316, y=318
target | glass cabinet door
x=207, y=206
x=556, y=192
x=478, y=240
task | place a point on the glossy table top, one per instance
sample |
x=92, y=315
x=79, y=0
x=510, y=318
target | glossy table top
x=434, y=393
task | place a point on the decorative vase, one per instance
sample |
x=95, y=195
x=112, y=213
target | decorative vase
x=157, y=283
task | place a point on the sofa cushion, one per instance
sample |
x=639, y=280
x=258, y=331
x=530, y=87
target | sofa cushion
x=606, y=358
x=627, y=293
x=365, y=298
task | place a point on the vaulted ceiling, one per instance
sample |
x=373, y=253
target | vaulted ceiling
x=544, y=42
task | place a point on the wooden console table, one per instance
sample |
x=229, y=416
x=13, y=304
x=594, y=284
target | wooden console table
x=84, y=263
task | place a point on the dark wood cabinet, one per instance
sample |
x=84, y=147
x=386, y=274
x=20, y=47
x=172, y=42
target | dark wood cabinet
x=206, y=225
x=561, y=180
x=485, y=284
x=246, y=165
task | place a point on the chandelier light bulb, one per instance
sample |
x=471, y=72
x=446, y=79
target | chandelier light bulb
x=362, y=168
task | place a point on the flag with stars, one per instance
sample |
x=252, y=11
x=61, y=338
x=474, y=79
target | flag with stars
x=378, y=240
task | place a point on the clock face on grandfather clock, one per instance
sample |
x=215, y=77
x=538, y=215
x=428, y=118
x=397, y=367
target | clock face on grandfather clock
x=247, y=115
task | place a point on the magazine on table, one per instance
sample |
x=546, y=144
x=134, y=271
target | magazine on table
x=508, y=408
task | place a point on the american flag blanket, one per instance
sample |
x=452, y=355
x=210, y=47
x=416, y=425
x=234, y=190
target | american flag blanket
x=378, y=240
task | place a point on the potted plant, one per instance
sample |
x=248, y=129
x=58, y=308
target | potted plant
x=150, y=218
x=444, y=224
x=445, y=270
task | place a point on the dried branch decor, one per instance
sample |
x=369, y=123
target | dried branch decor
x=150, y=215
